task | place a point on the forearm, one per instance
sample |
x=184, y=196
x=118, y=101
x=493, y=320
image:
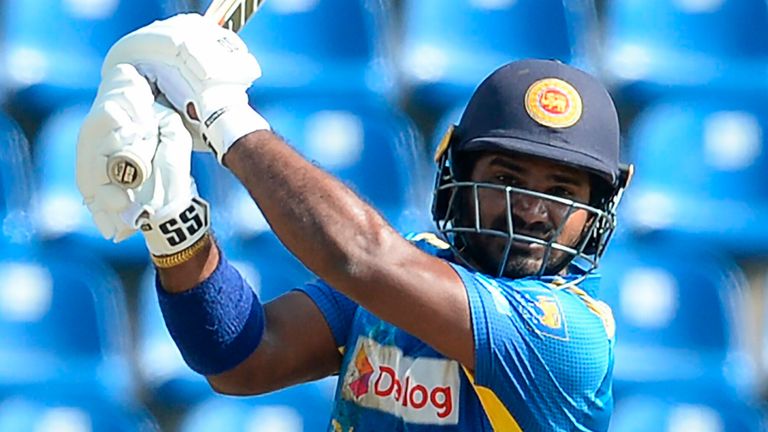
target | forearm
x=189, y=274
x=332, y=231
x=350, y=246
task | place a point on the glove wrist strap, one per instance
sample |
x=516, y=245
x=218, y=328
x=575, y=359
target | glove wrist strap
x=225, y=126
x=178, y=229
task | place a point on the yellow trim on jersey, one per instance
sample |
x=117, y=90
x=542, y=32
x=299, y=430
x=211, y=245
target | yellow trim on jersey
x=599, y=308
x=499, y=416
x=432, y=239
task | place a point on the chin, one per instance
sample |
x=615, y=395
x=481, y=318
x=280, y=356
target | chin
x=522, y=267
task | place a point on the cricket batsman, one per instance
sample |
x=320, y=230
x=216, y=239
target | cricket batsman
x=489, y=323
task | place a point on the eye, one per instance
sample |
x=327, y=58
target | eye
x=562, y=192
x=505, y=179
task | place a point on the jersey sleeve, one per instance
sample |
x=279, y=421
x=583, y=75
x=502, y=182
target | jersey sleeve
x=544, y=355
x=337, y=309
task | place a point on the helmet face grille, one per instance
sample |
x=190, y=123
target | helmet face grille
x=457, y=214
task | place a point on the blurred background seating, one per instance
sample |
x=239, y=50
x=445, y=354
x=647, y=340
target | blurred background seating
x=681, y=408
x=366, y=89
x=56, y=410
x=701, y=165
x=675, y=304
x=63, y=324
x=322, y=48
x=657, y=48
x=52, y=51
x=305, y=407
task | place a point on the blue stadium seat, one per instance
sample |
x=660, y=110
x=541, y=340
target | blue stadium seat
x=16, y=187
x=701, y=167
x=54, y=49
x=308, y=48
x=63, y=323
x=58, y=411
x=686, y=408
x=301, y=408
x=60, y=215
x=660, y=47
x=448, y=48
x=675, y=306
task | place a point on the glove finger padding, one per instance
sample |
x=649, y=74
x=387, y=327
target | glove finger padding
x=122, y=118
x=173, y=216
x=192, y=61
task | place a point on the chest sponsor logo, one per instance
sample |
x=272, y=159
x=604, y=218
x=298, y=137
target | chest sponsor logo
x=418, y=390
x=547, y=314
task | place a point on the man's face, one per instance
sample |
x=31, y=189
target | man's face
x=531, y=216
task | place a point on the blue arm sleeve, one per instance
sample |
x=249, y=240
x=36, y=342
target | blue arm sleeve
x=217, y=324
x=542, y=352
x=338, y=310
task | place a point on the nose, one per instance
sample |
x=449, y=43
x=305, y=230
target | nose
x=529, y=210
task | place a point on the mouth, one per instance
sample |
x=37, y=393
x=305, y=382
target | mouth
x=538, y=236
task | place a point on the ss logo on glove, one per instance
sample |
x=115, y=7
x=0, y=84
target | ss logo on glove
x=187, y=224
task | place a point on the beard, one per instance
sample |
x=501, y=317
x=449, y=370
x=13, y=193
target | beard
x=487, y=251
x=524, y=258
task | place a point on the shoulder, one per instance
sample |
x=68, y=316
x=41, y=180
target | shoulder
x=551, y=308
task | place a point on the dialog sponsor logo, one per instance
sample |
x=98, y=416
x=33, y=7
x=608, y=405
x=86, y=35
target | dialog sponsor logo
x=418, y=390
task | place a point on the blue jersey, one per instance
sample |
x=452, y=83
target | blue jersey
x=543, y=351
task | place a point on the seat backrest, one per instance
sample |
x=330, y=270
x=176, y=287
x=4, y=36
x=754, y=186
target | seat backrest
x=329, y=30
x=67, y=306
x=322, y=47
x=701, y=166
x=301, y=408
x=671, y=295
x=60, y=207
x=707, y=148
x=16, y=186
x=686, y=408
x=724, y=29
x=514, y=28
x=52, y=410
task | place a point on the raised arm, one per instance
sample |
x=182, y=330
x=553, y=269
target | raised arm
x=204, y=70
x=347, y=243
x=215, y=318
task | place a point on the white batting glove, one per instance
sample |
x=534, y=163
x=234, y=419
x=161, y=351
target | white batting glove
x=203, y=70
x=166, y=207
x=121, y=117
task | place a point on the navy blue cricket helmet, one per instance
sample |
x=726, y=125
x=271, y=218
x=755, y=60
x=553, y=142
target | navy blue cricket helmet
x=544, y=109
